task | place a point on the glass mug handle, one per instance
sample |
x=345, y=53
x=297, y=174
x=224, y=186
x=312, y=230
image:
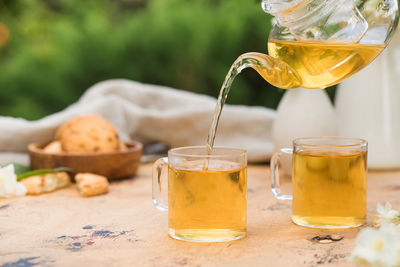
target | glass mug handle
x=276, y=190
x=157, y=184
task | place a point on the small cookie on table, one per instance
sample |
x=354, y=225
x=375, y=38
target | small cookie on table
x=90, y=184
x=45, y=183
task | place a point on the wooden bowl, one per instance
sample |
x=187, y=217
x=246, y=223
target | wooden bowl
x=113, y=165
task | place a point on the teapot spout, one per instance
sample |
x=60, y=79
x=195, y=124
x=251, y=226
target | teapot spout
x=274, y=71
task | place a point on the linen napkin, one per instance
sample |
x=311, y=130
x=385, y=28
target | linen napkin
x=149, y=113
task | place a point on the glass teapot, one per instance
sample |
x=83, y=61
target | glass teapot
x=315, y=44
x=319, y=43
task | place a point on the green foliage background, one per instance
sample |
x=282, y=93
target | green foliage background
x=59, y=48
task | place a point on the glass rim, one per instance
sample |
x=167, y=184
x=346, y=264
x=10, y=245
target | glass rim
x=235, y=152
x=353, y=142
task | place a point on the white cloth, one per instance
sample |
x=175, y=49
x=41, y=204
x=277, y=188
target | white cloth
x=149, y=113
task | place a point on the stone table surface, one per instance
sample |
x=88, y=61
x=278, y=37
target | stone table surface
x=123, y=228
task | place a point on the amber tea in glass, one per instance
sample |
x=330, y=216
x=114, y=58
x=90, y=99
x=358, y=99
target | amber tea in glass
x=329, y=181
x=206, y=193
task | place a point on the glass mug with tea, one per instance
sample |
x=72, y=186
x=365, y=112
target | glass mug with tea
x=329, y=176
x=207, y=196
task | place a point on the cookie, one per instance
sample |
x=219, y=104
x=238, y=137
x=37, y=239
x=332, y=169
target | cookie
x=53, y=147
x=90, y=184
x=45, y=183
x=122, y=146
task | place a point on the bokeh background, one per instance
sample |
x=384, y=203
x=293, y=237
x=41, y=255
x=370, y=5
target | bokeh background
x=51, y=51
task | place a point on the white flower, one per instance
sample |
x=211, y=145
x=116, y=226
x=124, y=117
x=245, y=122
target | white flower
x=9, y=187
x=387, y=215
x=377, y=247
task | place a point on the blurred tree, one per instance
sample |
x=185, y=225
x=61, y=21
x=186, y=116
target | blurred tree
x=58, y=48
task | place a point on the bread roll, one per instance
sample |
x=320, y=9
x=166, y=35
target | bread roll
x=88, y=134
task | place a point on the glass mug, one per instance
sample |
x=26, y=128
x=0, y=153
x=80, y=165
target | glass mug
x=329, y=176
x=207, y=194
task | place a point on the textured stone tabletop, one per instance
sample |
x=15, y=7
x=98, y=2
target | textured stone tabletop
x=123, y=228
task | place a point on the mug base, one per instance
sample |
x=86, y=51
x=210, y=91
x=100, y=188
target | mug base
x=207, y=235
x=329, y=222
